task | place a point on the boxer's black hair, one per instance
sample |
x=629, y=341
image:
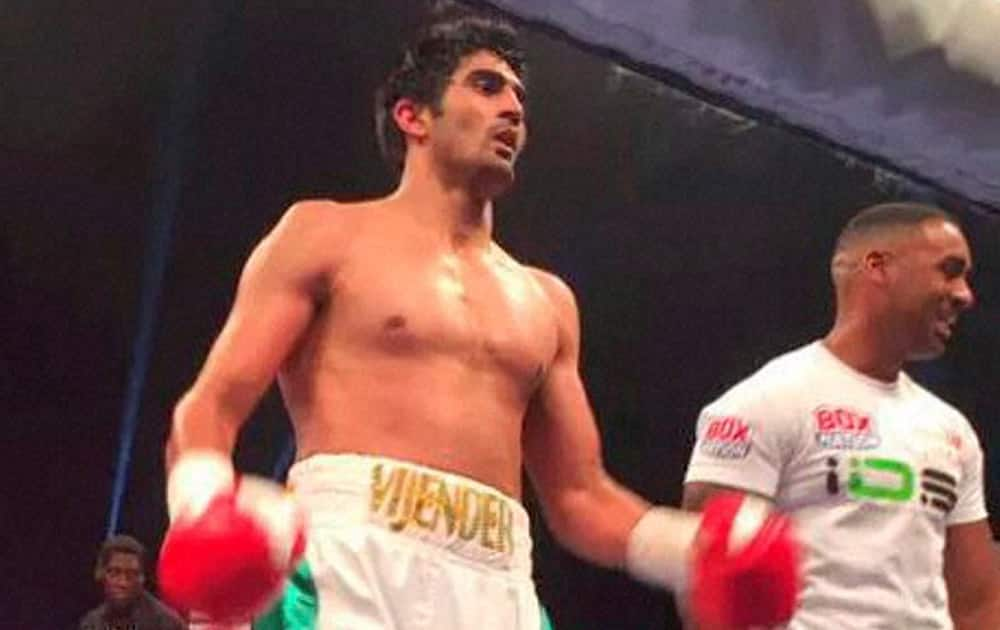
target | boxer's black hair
x=428, y=63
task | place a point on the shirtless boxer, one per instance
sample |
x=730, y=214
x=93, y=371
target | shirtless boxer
x=422, y=366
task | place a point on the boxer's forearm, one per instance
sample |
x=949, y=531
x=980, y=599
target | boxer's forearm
x=594, y=522
x=206, y=422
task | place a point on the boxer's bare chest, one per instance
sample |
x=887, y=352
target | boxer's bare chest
x=478, y=308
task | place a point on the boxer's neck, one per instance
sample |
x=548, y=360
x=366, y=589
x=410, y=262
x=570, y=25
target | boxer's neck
x=451, y=205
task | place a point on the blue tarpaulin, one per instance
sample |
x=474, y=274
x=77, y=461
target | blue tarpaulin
x=911, y=83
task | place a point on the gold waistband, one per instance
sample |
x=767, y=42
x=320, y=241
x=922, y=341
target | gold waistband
x=404, y=497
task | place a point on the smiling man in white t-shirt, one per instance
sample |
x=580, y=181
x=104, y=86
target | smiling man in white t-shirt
x=884, y=479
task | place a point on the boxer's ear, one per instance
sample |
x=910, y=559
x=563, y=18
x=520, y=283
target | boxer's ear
x=410, y=119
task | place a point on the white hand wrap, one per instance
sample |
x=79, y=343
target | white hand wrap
x=195, y=479
x=659, y=547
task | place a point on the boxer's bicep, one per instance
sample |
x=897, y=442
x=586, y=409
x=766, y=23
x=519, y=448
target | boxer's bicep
x=587, y=510
x=561, y=443
x=271, y=311
x=275, y=302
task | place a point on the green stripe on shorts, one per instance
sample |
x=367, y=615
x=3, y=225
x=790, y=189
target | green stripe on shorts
x=546, y=621
x=298, y=608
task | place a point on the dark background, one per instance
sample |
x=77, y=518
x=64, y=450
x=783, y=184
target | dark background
x=696, y=240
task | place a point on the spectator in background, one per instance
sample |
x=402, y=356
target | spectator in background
x=127, y=605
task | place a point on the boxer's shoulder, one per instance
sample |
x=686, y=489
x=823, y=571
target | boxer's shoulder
x=553, y=287
x=311, y=236
x=559, y=297
x=312, y=216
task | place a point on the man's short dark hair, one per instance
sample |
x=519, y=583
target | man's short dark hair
x=119, y=543
x=427, y=64
x=888, y=216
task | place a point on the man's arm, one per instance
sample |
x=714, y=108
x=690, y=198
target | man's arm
x=279, y=291
x=973, y=576
x=733, y=451
x=752, y=553
x=587, y=511
x=697, y=493
x=275, y=302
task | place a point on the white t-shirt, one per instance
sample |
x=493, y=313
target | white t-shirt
x=872, y=472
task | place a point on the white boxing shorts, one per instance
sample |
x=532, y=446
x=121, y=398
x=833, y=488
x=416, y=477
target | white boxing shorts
x=398, y=546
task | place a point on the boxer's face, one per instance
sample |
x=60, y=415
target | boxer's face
x=481, y=123
x=123, y=578
x=930, y=287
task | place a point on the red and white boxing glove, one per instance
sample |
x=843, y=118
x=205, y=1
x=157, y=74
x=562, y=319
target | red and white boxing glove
x=738, y=562
x=232, y=540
